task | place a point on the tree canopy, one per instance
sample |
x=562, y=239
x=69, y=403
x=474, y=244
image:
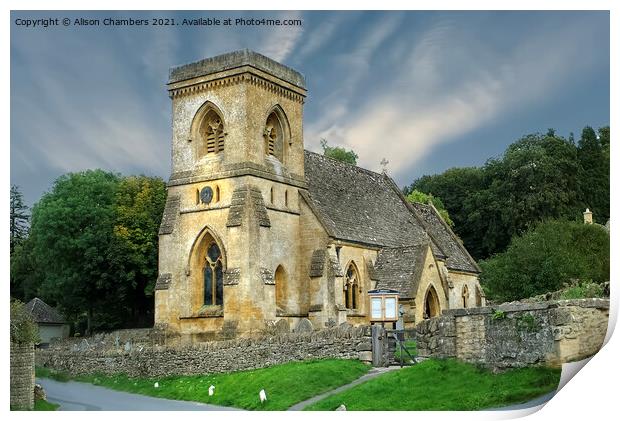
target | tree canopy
x=537, y=178
x=92, y=248
x=339, y=153
x=545, y=258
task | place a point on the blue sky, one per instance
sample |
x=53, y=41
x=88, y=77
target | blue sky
x=425, y=90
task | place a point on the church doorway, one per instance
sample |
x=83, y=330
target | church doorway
x=431, y=303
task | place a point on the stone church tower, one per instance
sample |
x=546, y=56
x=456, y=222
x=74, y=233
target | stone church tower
x=232, y=214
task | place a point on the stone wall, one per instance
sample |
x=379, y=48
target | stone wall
x=517, y=334
x=22, y=376
x=146, y=360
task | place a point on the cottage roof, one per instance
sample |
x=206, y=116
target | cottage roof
x=400, y=268
x=43, y=313
x=358, y=205
x=457, y=257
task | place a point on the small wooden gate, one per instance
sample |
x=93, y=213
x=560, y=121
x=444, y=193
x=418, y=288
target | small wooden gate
x=388, y=344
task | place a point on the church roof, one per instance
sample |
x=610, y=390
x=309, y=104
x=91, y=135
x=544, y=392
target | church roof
x=43, y=313
x=400, y=268
x=358, y=205
x=457, y=256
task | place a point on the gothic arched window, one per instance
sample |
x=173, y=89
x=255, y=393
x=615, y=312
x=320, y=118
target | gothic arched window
x=465, y=295
x=213, y=276
x=431, y=304
x=351, y=288
x=274, y=137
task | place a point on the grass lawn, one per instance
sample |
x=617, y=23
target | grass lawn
x=444, y=385
x=43, y=405
x=284, y=384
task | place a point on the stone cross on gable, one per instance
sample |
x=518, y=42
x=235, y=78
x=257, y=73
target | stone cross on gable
x=384, y=163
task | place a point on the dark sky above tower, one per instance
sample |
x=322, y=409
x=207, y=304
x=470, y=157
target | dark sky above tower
x=425, y=90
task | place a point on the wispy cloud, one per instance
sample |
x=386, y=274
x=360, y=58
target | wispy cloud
x=280, y=41
x=440, y=92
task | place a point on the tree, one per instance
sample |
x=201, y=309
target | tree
x=418, y=197
x=71, y=238
x=339, y=153
x=545, y=258
x=594, y=159
x=538, y=177
x=455, y=187
x=19, y=217
x=139, y=206
x=24, y=330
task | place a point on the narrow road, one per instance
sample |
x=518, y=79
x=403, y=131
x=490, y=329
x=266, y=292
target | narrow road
x=77, y=396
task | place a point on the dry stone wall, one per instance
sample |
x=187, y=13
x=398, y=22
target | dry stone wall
x=22, y=376
x=517, y=334
x=344, y=342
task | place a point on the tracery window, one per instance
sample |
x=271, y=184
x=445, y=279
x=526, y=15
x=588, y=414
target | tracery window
x=213, y=276
x=351, y=288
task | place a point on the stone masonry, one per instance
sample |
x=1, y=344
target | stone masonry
x=345, y=342
x=22, y=376
x=517, y=334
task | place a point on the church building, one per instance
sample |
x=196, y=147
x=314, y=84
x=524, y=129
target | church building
x=257, y=230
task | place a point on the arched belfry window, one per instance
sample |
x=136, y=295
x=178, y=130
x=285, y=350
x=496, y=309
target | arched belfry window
x=208, y=131
x=351, y=287
x=465, y=295
x=213, y=276
x=274, y=136
x=212, y=131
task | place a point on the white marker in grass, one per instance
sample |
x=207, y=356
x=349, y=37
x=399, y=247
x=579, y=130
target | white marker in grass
x=262, y=395
x=211, y=390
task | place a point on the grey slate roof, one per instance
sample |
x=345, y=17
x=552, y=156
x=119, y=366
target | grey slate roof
x=233, y=60
x=400, y=268
x=456, y=256
x=358, y=205
x=43, y=313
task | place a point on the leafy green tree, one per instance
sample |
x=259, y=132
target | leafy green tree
x=418, y=197
x=537, y=178
x=455, y=187
x=71, y=239
x=18, y=214
x=339, y=153
x=545, y=258
x=594, y=159
x=139, y=205
x=24, y=330
x=24, y=274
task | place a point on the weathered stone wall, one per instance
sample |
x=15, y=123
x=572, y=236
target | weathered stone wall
x=344, y=342
x=517, y=334
x=22, y=376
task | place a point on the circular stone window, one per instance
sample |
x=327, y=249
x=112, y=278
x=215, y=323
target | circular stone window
x=206, y=195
